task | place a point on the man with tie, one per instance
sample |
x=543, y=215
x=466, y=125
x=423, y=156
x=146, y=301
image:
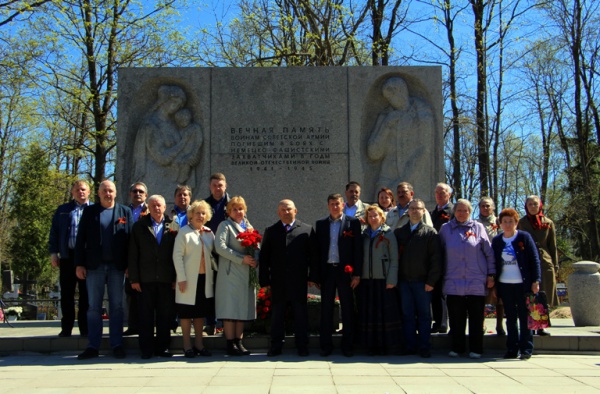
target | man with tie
x=287, y=264
x=340, y=253
x=152, y=276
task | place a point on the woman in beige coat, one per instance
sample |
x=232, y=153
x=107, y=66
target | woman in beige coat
x=194, y=296
x=543, y=233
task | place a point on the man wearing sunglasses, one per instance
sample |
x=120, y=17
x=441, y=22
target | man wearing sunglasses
x=138, y=192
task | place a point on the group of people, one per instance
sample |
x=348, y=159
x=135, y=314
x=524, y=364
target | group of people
x=400, y=271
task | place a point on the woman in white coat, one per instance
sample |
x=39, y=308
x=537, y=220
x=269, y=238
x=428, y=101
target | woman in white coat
x=235, y=298
x=194, y=296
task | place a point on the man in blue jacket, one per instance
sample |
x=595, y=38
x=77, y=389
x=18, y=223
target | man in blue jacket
x=63, y=235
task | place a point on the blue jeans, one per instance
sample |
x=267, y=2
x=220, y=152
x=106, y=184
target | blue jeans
x=416, y=302
x=515, y=308
x=96, y=279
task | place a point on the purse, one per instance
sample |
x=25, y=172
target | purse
x=539, y=314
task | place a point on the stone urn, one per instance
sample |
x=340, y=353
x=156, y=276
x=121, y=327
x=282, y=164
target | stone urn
x=584, y=293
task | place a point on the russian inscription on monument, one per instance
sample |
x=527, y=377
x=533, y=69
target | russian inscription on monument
x=299, y=133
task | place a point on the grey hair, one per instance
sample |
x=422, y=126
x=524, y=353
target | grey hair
x=463, y=201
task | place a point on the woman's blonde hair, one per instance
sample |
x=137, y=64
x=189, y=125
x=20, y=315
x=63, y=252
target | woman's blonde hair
x=202, y=205
x=237, y=200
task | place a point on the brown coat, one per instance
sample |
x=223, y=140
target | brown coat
x=545, y=240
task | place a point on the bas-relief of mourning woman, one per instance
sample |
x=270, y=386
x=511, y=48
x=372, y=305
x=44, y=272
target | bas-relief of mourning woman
x=397, y=138
x=168, y=143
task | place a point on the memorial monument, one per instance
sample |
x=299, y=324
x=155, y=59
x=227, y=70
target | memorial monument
x=298, y=133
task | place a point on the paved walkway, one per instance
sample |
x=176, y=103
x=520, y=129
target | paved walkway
x=63, y=373
x=577, y=370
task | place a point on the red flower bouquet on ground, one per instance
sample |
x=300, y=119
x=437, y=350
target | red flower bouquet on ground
x=539, y=316
x=250, y=240
x=263, y=303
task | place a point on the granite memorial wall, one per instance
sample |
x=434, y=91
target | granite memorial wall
x=298, y=133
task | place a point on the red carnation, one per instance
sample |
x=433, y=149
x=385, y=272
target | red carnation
x=348, y=269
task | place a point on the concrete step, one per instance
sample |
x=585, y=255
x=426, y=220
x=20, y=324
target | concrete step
x=42, y=337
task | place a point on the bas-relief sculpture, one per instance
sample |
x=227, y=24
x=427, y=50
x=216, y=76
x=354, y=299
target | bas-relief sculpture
x=394, y=140
x=168, y=144
x=163, y=135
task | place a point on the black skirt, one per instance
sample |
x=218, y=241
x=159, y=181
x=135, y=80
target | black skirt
x=203, y=306
x=379, y=321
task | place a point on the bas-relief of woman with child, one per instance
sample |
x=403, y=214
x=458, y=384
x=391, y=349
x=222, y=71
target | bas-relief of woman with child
x=169, y=137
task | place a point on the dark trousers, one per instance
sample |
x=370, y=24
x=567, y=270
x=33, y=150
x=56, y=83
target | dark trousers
x=156, y=305
x=68, y=282
x=459, y=307
x=438, y=301
x=335, y=278
x=300, y=312
x=515, y=308
x=416, y=302
x=133, y=314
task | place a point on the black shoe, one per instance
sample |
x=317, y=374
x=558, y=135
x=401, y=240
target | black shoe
x=274, y=352
x=201, y=352
x=240, y=346
x=130, y=332
x=189, y=353
x=510, y=355
x=146, y=356
x=425, y=353
x=119, y=352
x=406, y=352
x=348, y=353
x=500, y=332
x=164, y=353
x=232, y=350
x=88, y=353
x=525, y=356
x=64, y=334
x=303, y=352
x=326, y=352
x=210, y=329
x=543, y=333
x=442, y=330
x=435, y=328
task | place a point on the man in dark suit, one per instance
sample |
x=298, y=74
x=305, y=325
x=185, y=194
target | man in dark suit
x=101, y=259
x=63, y=235
x=152, y=276
x=287, y=264
x=340, y=253
x=441, y=214
x=137, y=195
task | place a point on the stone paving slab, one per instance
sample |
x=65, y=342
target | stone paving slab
x=63, y=373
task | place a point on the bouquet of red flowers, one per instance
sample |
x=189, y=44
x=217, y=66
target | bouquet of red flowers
x=250, y=240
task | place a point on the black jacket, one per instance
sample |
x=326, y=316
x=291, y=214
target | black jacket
x=420, y=254
x=288, y=261
x=149, y=261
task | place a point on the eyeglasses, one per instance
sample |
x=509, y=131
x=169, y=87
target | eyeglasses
x=138, y=191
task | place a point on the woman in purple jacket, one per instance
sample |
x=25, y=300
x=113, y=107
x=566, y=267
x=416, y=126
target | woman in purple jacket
x=469, y=269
